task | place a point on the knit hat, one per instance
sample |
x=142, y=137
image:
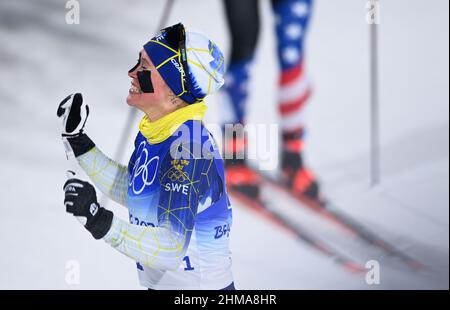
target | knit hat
x=176, y=50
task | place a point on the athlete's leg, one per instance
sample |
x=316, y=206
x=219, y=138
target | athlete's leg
x=292, y=20
x=243, y=23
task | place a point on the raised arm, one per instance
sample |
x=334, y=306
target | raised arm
x=110, y=177
x=184, y=184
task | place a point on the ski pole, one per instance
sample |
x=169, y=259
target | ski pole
x=374, y=98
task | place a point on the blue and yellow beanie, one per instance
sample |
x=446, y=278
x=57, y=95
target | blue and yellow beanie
x=205, y=61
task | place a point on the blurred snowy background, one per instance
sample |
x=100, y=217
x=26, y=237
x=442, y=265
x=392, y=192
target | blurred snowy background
x=42, y=59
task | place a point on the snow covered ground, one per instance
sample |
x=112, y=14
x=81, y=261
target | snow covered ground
x=42, y=59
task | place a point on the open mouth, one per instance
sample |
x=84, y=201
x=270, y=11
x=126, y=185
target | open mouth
x=134, y=89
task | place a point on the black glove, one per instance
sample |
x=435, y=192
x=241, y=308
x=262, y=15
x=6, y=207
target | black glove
x=81, y=201
x=74, y=114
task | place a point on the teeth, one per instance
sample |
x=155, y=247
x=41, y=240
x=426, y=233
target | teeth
x=135, y=90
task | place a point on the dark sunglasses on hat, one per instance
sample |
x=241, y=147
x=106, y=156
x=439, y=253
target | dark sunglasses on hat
x=176, y=38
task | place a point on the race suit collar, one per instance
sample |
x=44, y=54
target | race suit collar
x=158, y=131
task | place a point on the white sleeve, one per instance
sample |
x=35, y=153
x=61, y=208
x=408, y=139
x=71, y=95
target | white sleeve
x=156, y=247
x=110, y=177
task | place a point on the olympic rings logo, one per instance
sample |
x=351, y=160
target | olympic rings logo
x=141, y=171
x=176, y=175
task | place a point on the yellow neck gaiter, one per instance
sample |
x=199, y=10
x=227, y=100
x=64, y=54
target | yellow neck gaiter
x=160, y=130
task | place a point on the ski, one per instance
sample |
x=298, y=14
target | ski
x=332, y=213
x=293, y=229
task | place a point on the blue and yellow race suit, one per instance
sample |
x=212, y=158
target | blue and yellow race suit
x=179, y=211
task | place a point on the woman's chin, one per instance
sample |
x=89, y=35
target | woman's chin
x=131, y=99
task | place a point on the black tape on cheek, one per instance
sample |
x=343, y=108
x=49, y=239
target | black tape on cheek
x=134, y=68
x=145, y=81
